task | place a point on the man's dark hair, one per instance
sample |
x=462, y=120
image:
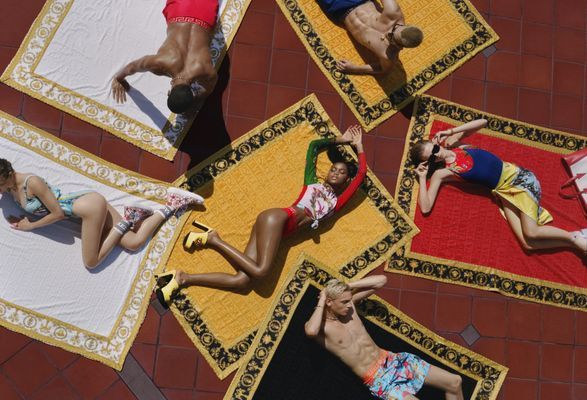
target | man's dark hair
x=335, y=156
x=180, y=99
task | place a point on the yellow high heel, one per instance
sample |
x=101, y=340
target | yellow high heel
x=198, y=239
x=165, y=292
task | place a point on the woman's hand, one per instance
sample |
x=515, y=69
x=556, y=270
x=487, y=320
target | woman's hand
x=422, y=169
x=20, y=224
x=357, y=134
x=347, y=136
x=441, y=136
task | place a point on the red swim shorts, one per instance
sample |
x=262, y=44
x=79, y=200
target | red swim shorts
x=201, y=12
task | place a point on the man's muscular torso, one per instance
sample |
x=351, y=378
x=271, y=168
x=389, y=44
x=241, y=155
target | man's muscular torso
x=350, y=342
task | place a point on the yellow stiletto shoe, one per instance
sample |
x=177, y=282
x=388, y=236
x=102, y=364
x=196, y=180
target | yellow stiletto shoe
x=198, y=239
x=167, y=285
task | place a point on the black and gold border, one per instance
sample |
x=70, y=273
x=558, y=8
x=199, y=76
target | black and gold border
x=426, y=110
x=222, y=358
x=488, y=374
x=371, y=115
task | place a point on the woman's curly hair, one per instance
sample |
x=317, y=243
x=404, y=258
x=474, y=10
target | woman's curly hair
x=5, y=168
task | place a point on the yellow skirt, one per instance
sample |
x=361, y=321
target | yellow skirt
x=521, y=188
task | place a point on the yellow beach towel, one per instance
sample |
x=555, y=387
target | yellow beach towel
x=453, y=33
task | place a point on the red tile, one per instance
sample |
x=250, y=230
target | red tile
x=176, y=367
x=157, y=167
x=481, y=5
x=395, y=127
x=388, y=153
x=557, y=363
x=40, y=114
x=89, y=378
x=455, y=338
x=281, y=97
x=580, y=356
x=516, y=389
x=317, y=81
x=558, y=391
x=494, y=349
x=8, y=390
x=120, y=152
x=58, y=388
x=450, y=288
x=473, y=69
x=567, y=111
x=536, y=72
x=289, y=68
x=468, y=91
x=501, y=100
x=145, y=355
x=59, y=357
x=442, y=88
x=207, y=381
x=523, y=320
x=10, y=100
x=247, y=99
x=256, y=29
x=490, y=317
x=570, y=13
x=238, y=126
x=504, y=68
x=266, y=6
x=178, y=394
x=537, y=39
x=579, y=392
x=333, y=105
x=11, y=343
x=285, y=37
x=118, y=391
x=150, y=328
x=569, y=44
x=534, y=107
x=568, y=78
x=558, y=325
x=538, y=11
x=16, y=19
x=581, y=330
x=507, y=8
x=453, y=313
x=250, y=63
x=414, y=283
x=388, y=180
x=392, y=296
x=210, y=396
x=19, y=370
x=171, y=333
x=420, y=306
x=509, y=31
x=89, y=143
x=523, y=359
x=76, y=125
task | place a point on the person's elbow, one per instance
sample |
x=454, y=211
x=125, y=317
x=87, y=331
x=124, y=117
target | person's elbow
x=311, y=331
x=425, y=209
x=381, y=281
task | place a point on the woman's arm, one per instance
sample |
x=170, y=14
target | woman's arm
x=313, y=326
x=311, y=157
x=345, y=196
x=454, y=135
x=38, y=188
x=365, y=287
x=427, y=194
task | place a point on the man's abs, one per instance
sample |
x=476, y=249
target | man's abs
x=357, y=351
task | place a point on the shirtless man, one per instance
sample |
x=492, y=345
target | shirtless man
x=184, y=56
x=389, y=376
x=384, y=32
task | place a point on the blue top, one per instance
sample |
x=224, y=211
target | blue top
x=485, y=169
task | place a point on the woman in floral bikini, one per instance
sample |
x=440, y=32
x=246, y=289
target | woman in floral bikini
x=316, y=202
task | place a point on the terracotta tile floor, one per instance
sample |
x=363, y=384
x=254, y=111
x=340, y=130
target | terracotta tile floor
x=537, y=75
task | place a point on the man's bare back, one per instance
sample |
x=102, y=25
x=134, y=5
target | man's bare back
x=184, y=56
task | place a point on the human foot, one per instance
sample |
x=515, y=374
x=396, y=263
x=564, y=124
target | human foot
x=136, y=214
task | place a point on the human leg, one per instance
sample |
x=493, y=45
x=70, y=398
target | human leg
x=444, y=380
x=547, y=237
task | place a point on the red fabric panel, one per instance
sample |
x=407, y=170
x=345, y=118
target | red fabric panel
x=466, y=224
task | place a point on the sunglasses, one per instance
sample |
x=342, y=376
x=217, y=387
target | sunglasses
x=435, y=150
x=391, y=37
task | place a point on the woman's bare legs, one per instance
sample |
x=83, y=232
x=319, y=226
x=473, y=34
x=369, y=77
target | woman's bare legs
x=450, y=383
x=534, y=237
x=254, y=263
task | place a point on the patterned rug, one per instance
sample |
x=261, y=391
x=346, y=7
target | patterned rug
x=45, y=290
x=453, y=33
x=465, y=240
x=284, y=364
x=264, y=169
x=54, y=65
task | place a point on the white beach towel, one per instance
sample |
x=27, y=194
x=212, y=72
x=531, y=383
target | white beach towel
x=45, y=290
x=75, y=47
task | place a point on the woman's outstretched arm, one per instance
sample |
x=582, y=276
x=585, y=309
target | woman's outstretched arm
x=427, y=194
x=356, y=134
x=452, y=136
